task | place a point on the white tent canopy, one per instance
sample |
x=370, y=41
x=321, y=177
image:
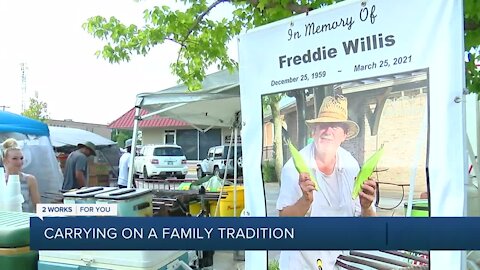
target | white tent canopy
x=217, y=104
x=63, y=136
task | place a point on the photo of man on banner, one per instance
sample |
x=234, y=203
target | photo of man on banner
x=335, y=170
x=363, y=148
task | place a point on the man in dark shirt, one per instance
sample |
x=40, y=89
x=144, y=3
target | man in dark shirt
x=76, y=166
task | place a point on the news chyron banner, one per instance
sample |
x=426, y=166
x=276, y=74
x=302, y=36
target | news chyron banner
x=359, y=84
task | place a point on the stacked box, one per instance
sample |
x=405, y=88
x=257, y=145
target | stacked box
x=419, y=208
x=130, y=202
x=85, y=195
x=15, y=250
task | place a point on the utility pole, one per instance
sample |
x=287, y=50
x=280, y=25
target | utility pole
x=4, y=107
x=23, y=69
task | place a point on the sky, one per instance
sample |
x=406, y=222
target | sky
x=47, y=36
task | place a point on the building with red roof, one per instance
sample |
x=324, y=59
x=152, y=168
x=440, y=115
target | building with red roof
x=195, y=139
x=126, y=121
x=160, y=130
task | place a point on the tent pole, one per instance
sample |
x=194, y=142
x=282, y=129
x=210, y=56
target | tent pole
x=224, y=177
x=134, y=147
x=162, y=110
x=228, y=158
x=198, y=145
x=235, y=173
x=477, y=137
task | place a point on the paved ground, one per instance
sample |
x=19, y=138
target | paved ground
x=224, y=260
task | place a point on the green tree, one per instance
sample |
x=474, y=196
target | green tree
x=203, y=41
x=121, y=136
x=272, y=102
x=36, y=110
x=472, y=40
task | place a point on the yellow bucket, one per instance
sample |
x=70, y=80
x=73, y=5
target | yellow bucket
x=195, y=208
x=227, y=205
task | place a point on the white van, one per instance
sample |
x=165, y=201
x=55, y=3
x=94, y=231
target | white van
x=161, y=160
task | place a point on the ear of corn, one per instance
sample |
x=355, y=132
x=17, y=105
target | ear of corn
x=300, y=164
x=366, y=171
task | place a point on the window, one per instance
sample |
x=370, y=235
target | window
x=232, y=152
x=168, y=151
x=218, y=152
x=210, y=153
x=169, y=136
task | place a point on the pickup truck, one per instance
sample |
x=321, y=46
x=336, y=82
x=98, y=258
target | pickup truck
x=215, y=162
x=161, y=160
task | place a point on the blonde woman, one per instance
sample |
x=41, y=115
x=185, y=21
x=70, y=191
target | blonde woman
x=13, y=162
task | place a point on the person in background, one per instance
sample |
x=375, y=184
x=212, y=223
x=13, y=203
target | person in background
x=124, y=165
x=12, y=157
x=335, y=170
x=76, y=166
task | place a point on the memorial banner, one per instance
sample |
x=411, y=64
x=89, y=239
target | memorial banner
x=340, y=84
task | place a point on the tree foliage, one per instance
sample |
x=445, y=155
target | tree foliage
x=202, y=41
x=272, y=102
x=36, y=110
x=472, y=40
x=121, y=136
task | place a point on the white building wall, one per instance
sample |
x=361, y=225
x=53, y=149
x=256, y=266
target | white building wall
x=153, y=136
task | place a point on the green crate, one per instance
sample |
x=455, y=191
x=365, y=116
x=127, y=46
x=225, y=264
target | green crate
x=23, y=261
x=419, y=208
x=14, y=229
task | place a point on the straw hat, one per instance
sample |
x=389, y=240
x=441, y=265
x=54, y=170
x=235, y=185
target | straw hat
x=89, y=145
x=334, y=110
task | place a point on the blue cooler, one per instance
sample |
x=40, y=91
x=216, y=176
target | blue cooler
x=85, y=195
x=130, y=202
